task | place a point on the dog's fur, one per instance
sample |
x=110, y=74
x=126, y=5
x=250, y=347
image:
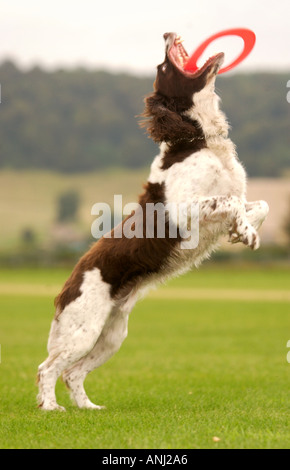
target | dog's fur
x=197, y=163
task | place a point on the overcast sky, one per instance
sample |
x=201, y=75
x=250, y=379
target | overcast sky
x=127, y=35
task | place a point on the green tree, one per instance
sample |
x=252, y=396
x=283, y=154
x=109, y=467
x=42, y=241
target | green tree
x=80, y=120
x=67, y=206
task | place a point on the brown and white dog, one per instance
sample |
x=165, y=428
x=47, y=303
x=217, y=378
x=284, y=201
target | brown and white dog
x=198, y=164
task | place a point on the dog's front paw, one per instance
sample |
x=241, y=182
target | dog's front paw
x=250, y=237
x=245, y=234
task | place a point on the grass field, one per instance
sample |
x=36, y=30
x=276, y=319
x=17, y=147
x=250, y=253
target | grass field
x=205, y=357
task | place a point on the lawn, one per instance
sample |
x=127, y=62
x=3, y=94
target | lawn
x=190, y=369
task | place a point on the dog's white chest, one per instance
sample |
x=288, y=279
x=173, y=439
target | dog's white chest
x=204, y=174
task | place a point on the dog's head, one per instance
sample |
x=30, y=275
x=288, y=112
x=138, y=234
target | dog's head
x=173, y=81
x=174, y=92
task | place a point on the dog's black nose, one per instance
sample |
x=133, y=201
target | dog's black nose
x=165, y=35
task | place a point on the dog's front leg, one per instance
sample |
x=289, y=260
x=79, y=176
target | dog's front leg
x=231, y=212
x=256, y=212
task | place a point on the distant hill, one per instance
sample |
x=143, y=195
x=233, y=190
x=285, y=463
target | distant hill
x=79, y=120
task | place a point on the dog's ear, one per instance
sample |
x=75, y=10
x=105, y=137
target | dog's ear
x=163, y=123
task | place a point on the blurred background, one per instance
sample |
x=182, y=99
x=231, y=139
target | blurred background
x=73, y=78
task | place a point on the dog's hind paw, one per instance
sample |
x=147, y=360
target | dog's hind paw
x=91, y=406
x=55, y=407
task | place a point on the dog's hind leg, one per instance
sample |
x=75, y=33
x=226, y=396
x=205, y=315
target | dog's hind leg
x=48, y=373
x=74, y=333
x=64, y=352
x=109, y=342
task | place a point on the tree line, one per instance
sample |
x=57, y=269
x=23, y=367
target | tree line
x=80, y=120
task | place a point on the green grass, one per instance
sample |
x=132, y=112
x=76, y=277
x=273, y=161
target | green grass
x=189, y=370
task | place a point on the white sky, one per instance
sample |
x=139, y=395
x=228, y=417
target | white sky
x=127, y=35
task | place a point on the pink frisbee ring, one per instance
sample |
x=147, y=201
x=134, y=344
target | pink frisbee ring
x=248, y=37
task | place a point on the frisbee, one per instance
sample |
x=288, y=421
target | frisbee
x=248, y=37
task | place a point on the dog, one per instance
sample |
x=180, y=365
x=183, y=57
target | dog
x=197, y=164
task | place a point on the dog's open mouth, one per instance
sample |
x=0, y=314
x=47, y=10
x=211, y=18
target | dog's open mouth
x=179, y=57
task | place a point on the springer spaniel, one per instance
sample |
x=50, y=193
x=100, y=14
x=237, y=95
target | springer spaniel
x=197, y=164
